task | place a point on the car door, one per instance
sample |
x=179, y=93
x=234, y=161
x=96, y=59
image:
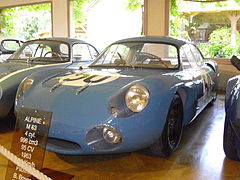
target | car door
x=208, y=74
x=193, y=65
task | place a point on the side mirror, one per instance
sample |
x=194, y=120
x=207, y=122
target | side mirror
x=210, y=64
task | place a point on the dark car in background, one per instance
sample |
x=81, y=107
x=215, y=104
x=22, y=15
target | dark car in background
x=37, y=55
x=231, y=138
x=8, y=46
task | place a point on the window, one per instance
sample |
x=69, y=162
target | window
x=184, y=59
x=190, y=56
x=167, y=53
x=196, y=54
x=93, y=52
x=140, y=54
x=81, y=52
x=113, y=20
x=42, y=50
x=27, y=22
x=11, y=45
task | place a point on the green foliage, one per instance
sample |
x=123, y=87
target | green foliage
x=238, y=2
x=31, y=19
x=79, y=15
x=36, y=7
x=217, y=4
x=219, y=41
x=219, y=44
x=174, y=10
x=133, y=5
x=6, y=23
x=176, y=21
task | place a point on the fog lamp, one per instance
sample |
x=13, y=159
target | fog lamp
x=111, y=135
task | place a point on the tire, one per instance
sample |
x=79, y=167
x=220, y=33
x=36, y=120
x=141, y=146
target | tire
x=230, y=142
x=211, y=103
x=215, y=91
x=172, y=131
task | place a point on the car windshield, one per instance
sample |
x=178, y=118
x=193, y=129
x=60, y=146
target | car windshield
x=139, y=54
x=42, y=50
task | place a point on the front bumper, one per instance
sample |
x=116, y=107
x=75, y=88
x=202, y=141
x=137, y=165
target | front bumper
x=137, y=132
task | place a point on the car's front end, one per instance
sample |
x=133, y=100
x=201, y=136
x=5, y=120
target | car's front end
x=121, y=113
x=119, y=104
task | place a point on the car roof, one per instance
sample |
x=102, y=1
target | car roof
x=66, y=40
x=155, y=39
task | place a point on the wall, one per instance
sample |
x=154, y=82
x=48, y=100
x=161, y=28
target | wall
x=156, y=16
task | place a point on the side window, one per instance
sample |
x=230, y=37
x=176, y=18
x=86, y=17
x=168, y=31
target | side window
x=190, y=56
x=64, y=49
x=168, y=54
x=93, y=52
x=81, y=52
x=184, y=59
x=196, y=54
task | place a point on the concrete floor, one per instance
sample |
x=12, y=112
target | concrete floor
x=199, y=156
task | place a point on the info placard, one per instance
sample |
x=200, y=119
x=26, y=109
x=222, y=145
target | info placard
x=29, y=141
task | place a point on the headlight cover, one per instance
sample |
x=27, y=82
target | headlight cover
x=24, y=87
x=27, y=84
x=137, y=98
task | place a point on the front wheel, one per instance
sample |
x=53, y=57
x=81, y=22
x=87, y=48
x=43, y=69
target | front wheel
x=230, y=142
x=172, y=131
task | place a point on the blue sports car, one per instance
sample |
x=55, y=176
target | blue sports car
x=37, y=55
x=231, y=139
x=138, y=93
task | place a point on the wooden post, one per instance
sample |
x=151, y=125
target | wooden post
x=233, y=17
x=60, y=18
x=156, y=17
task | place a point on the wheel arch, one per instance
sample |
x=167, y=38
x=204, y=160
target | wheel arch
x=187, y=104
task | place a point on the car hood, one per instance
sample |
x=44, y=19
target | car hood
x=92, y=78
x=83, y=98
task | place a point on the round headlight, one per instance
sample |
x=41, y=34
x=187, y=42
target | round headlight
x=137, y=98
x=111, y=135
x=27, y=84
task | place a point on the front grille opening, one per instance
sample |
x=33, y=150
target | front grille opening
x=61, y=144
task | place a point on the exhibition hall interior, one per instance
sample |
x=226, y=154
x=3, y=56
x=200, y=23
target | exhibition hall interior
x=119, y=89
